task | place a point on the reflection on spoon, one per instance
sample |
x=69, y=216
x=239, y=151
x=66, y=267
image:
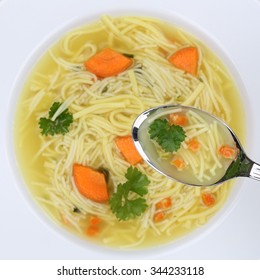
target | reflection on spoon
x=191, y=146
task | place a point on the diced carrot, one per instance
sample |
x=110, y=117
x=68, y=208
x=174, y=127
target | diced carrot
x=186, y=59
x=164, y=203
x=194, y=145
x=126, y=146
x=228, y=152
x=178, y=119
x=90, y=183
x=208, y=199
x=107, y=63
x=94, y=220
x=92, y=230
x=159, y=216
x=179, y=163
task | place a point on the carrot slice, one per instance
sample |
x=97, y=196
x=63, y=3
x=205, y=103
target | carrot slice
x=126, y=146
x=208, y=199
x=158, y=217
x=186, y=59
x=164, y=203
x=228, y=152
x=177, y=119
x=90, y=183
x=179, y=163
x=107, y=63
x=194, y=145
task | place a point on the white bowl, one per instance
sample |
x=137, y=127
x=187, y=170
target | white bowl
x=174, y=19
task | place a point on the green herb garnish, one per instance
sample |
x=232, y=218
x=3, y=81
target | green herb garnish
x=122, y=206
x=240, y=167
x=76, y=210
x=169, y=137
x=58, y=126
x=129, y=55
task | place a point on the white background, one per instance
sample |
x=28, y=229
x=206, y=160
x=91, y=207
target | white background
x=24, y=23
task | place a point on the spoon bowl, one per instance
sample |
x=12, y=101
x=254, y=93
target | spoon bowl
x=213, y=132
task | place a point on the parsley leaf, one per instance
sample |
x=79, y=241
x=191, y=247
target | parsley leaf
x=137, y=180
x=55, y=106
x=240, y=167
x=169, y=137
x=60, y=125
x=123, y=207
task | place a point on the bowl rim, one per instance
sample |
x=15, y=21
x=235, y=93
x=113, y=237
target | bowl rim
x=173, y=19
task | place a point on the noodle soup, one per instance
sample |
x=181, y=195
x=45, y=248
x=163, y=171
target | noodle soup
x=73, y=127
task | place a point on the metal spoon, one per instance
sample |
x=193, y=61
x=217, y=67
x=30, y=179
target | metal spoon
x=241, y=166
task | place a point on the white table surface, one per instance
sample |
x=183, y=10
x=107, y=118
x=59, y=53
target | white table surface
x=23, y=23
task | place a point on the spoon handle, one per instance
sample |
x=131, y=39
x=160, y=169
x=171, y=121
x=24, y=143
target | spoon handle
x=255, y=172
